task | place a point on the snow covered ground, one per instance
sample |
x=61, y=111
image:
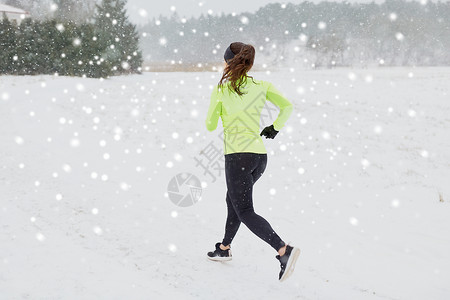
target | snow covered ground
x=358, y=179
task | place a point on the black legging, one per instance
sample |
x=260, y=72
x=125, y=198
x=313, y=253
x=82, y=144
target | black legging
x=242, y=170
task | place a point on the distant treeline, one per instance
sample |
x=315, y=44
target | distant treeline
x=326, y=34
x=108, y=45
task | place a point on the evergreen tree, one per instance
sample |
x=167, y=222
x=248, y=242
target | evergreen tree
x=118, y=37
x=28, y=56
x=7, y=46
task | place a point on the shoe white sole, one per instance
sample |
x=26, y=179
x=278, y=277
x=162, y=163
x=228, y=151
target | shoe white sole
x=290, y=264
x=217, y=258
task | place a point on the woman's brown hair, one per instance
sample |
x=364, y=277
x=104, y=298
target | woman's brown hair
x=236, y=70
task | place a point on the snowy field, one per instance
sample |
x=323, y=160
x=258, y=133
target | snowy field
x=358, y=179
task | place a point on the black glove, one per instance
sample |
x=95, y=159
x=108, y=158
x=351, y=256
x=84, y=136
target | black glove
x=269, y=132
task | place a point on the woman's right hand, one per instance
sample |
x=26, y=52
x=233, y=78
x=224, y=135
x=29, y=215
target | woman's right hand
x=269, y=132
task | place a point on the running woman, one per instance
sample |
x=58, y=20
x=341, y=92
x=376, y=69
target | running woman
x=239, y=101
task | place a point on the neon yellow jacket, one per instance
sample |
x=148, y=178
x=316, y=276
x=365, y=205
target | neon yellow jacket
x=241, y=114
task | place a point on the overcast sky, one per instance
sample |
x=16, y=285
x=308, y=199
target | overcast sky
x=140, y=11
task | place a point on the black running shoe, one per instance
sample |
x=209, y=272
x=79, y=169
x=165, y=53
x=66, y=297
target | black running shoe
x=219, y=254
x=287, y=262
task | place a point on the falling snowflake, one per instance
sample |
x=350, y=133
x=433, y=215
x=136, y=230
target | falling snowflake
x=40, y=237
x=353, y=221
x=301, y=90
x=322, y=25
x=352, y=76
x=124, y=186
x=143, y=13
x=399, y=36
x=67, y=168
x=424, y=153
x=19, y=140
x=163, y=41
x=395, y=203
x=76, y=42
x=365, y=163
x=378, y=129
x=97, y=230
x=393, y=16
